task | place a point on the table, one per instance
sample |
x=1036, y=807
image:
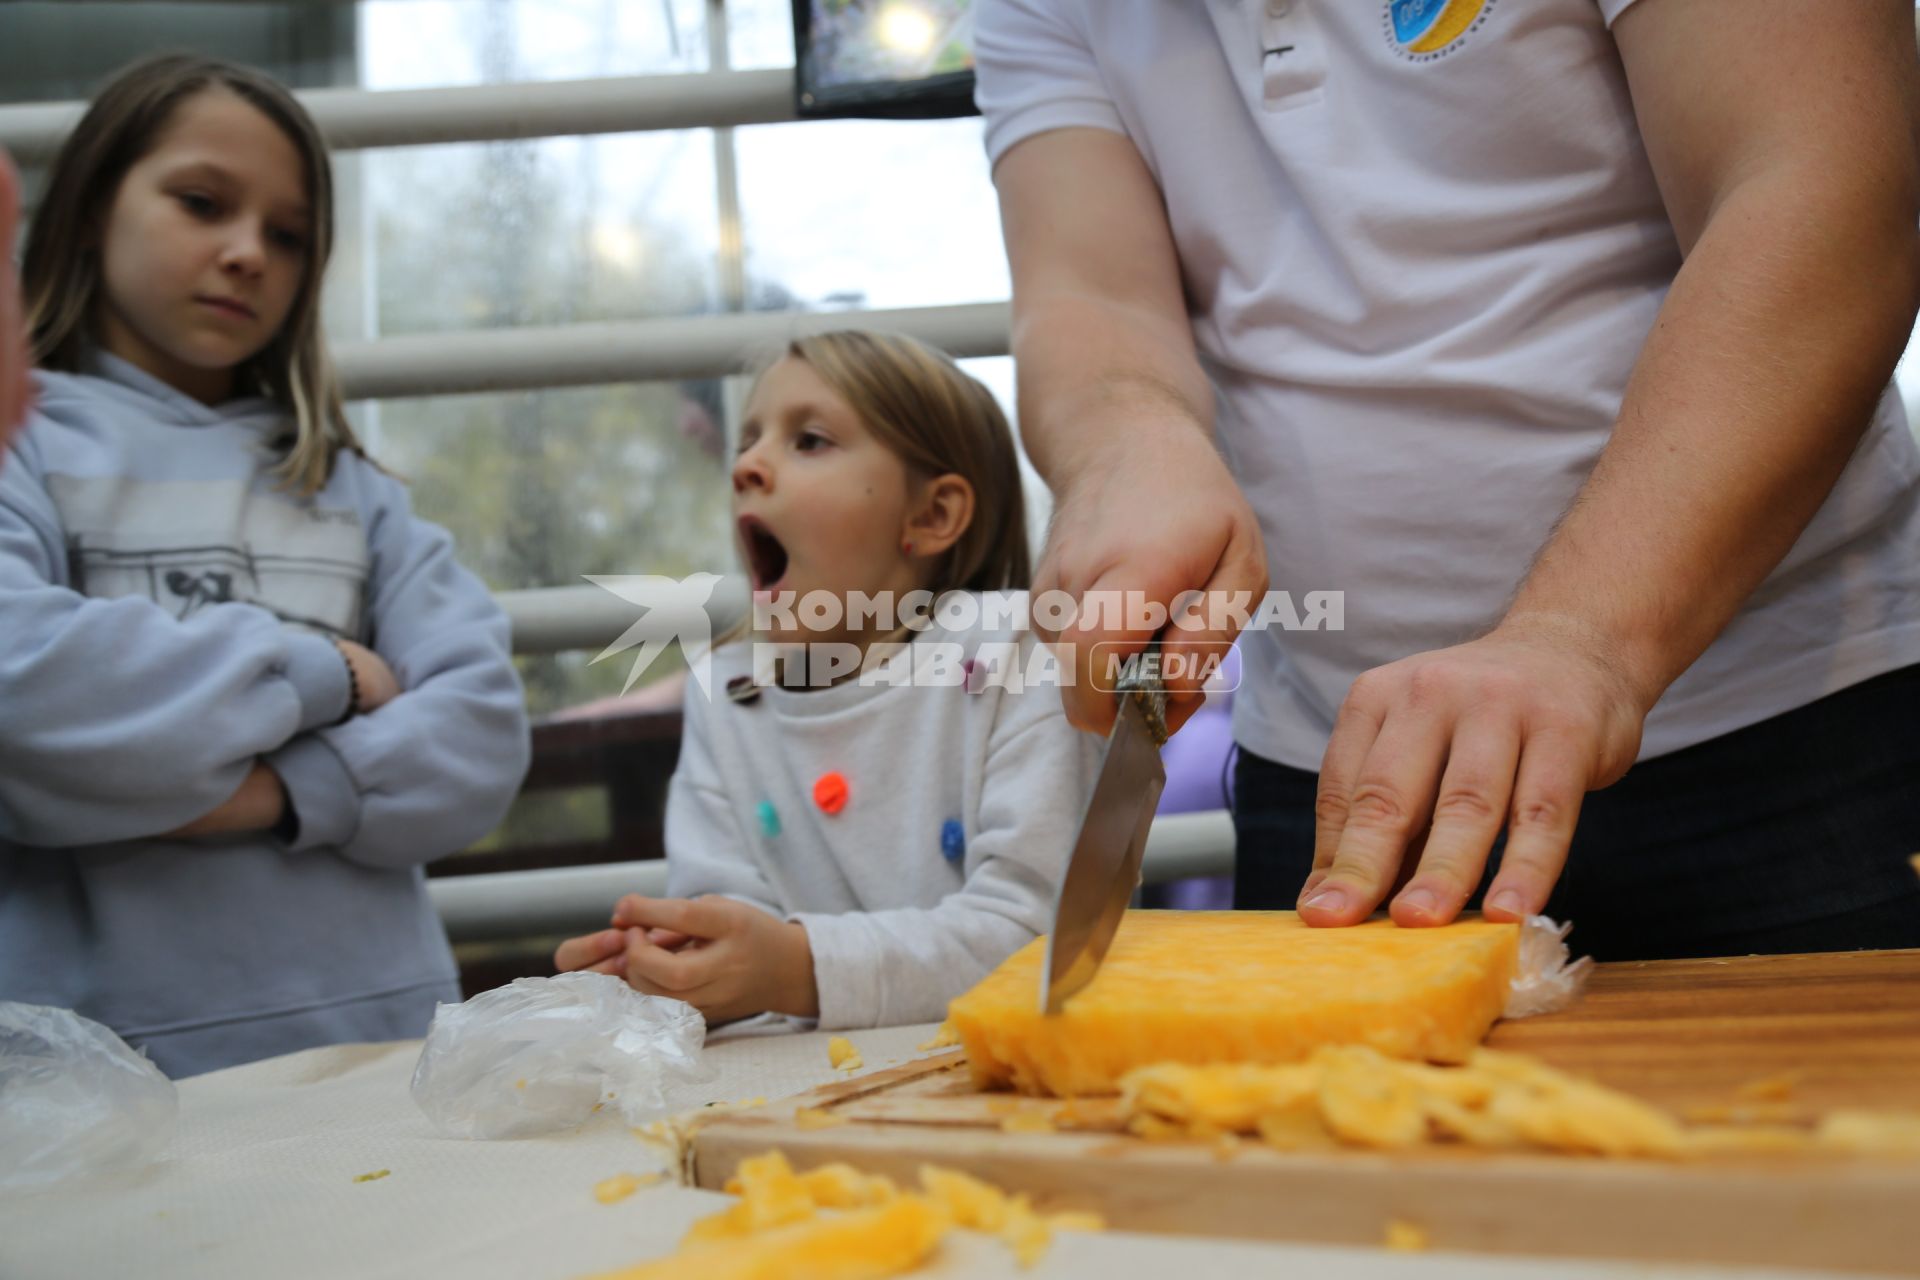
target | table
x=260, y=1181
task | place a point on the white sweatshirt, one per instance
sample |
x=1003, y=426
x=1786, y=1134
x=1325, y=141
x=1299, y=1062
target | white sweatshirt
x=963, y=799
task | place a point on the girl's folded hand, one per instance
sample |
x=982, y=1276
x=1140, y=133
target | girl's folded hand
x=732, y=960
x=373, y=680
x=601, y=952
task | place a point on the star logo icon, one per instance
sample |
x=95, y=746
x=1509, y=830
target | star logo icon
x=673, y=609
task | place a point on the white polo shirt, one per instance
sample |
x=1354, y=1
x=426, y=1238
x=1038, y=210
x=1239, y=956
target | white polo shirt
x=1422, y=245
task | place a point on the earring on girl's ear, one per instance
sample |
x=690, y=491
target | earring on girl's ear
x=906, y=546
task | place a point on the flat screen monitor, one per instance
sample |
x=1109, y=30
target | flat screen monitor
x=892, y=59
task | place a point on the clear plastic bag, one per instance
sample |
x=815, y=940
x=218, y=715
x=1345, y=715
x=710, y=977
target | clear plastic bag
x=542, y=1054
x=74, y=1099
x=1548, y=979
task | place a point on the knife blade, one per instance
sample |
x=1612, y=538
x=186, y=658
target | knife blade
x=1105, y=867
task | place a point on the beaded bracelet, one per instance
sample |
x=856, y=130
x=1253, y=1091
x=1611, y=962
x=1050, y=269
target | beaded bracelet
x=353, y=685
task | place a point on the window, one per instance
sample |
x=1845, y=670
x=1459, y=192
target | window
x=540, y=487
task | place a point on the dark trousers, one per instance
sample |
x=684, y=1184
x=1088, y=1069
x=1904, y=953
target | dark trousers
x=1794, y=834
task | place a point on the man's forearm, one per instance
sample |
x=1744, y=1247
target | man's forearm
x=1752, y=391
x=1092, y=371
x=1118, y=417
x=1100, y=329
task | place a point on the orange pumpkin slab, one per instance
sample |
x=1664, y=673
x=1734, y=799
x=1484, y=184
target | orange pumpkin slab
x=1239, y=986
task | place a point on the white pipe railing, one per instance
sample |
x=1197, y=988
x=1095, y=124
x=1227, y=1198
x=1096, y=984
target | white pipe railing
x=565, y=619
x=1184, y=845
x=570, y=900
x=355, y=119
x=705, y=346
x=526, y=904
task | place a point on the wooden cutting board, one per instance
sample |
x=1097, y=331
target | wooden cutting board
x=1828, y=1031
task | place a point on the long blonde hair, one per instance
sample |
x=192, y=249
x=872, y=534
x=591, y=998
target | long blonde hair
x=60, y=275
x=937, y=419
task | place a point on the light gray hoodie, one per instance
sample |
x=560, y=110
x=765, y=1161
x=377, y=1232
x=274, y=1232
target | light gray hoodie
x=165, y=614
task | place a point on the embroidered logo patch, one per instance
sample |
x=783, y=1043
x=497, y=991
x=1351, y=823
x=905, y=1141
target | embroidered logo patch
x=1426, y=30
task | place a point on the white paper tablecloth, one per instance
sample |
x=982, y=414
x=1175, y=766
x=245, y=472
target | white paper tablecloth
x=259, y=1184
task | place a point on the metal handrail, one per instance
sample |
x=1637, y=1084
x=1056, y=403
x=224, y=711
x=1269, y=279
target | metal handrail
x=524, y=904
x=566, y=619
x=358, y=119
x=707, y=346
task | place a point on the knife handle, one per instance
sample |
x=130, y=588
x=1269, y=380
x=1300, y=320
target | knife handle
x=1143, y=684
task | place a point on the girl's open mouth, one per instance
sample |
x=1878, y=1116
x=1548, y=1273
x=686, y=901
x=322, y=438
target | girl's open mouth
x=766, y=557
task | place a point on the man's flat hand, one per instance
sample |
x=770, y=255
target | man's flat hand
x=1430, y=756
